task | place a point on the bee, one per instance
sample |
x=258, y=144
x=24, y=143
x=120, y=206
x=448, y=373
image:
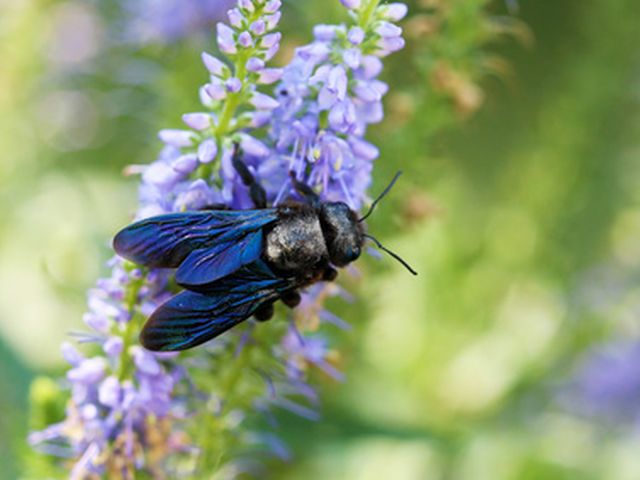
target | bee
x=234, y=264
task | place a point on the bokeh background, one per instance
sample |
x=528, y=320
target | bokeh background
x=515, y=354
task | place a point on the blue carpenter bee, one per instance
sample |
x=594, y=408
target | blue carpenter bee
x=234, y=264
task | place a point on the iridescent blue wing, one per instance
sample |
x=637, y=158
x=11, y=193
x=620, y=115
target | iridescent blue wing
x=189, y=318
x=205, y=265
x=165, y=241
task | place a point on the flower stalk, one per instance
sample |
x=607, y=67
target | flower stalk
x=187, y=415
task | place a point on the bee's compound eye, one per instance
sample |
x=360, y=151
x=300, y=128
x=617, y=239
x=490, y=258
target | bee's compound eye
x=345, y=255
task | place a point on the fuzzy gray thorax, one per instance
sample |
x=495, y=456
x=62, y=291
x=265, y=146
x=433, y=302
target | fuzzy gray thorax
x=297, y=243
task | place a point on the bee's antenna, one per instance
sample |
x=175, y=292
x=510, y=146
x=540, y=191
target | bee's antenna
x=394, y=255
x=384, y=192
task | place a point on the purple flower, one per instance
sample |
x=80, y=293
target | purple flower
x=198, y=121
x=393, y=12
x=234, y=85
x=606, y=384
x=215, y=66
x=356, y=35
x=352, y=4
x=226, y=40
x=207, y=150
x=176, y=138
x=303, y=351
x=169, y=20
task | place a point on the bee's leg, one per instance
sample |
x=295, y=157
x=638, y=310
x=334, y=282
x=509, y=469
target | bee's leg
x=330, y=274
x=290, y=298
x=264, y=312
x=216, y=206
x=304, y=190
x=258, y=195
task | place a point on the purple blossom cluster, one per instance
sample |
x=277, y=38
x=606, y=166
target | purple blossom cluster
x=122, y=395
x=328, y=96
x=309, y=117
x=206, y=147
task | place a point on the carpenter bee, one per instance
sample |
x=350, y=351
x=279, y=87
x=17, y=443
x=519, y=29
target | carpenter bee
x=234, y=264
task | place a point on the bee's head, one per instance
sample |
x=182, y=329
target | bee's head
x=343, y=233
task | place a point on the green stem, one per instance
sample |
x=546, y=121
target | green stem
x=366, y=13
x=131, y=299
x=234, y=374
x=232, y=103
x=233, y=100
x=215, y=438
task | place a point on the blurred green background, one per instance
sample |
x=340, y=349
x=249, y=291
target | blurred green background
x=519, y=133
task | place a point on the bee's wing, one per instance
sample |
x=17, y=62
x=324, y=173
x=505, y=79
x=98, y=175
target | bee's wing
x=165, y=241
x=206, y=265
x=189, y=318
